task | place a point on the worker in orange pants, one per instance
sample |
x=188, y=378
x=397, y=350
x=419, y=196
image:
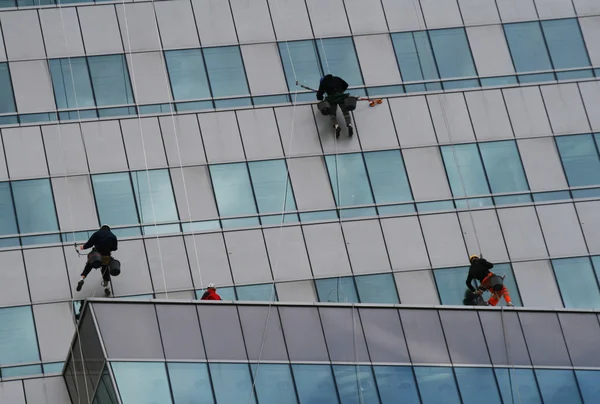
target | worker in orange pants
x=493, y=284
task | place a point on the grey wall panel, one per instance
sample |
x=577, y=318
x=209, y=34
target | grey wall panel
x=522, y=233
x=182, y=140
x=424, y=336
x=13, y=289
x=543, y=335
x=143, y=143
x=180, y=332
x=589, y=217
x=405, y=243
x=584, y=7
x=263, y=68
x=590, y=28
x=537, y=278
x=75, y=204
x=299, y=291
x=565, y=109
x=344, y=334
x=2, y=49
x=149, y=80
x=47, y=274
x=252, y=20
x=441, y=13
x=221, y=137
x=490, y=50
x=32, y=86
x=376, y=55
x=303, y=346
x=326, y=250
x=375, y=127
x=301, y=138
x=590, y=92
x=287, y=253
x=48, y=390
x=61, y=40
x=100, y=29
x=444, y=240
x=215, y=26
x=326, y=134
x=527, y=112
x=260, y=133
x=135, y=277
x=328, y=18
x=403, y=15
x=542, y=164
x=61, y=141
x=24, y=152
x=177, y=25
x=139, y=28
x=366, y=16
x=311, y=185
x=168, y=264
x=290, y=18
x=561, y=229
x=263, y=333
x=489, y=115
x=193, y=193
x=491, y=321
x=464, y=337
x=12, y=392
x=489, y=234
x=516, y=10
x=248, y=257
x=104, y=139
x=22, y=35
x=366, y=247
x=54, y=326
x=554, y=9
x=3, y=166
x=450, y=118
x=477, y=12
x=417, y=287
x=581, y=331
x=426, y=173
x=208, y=260
x=384, y=335
x=413, y=121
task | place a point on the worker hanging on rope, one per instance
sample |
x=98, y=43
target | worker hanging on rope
x=211, y=293
x=335, y=88
x=480, y=270
x=103, y=243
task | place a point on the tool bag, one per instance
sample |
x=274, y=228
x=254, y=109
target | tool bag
x=325, y=107
x=496, y=283
x=350, y=103
x=95, y=259
x=115, y=267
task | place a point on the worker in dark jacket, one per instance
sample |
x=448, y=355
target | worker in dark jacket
x=335, y=88
x=480, y=270
x=211, y=293
x=103, y=242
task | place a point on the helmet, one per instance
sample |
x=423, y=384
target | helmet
x=211, y=286
x=105, y=227
x=472, y=257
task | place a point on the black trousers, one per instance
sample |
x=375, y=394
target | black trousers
x=105, y=272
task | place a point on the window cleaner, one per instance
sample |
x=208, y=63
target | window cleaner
x=103, y=243
x=211, y=293
x=480, y=270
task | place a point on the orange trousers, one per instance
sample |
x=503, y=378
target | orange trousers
x=496, y=296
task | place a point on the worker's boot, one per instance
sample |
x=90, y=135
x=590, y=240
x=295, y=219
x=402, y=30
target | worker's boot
x=338, y=130
x=350, y=130
x=80, y=285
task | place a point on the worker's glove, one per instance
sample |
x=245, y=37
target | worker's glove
x=510, y=305
x=320, y=98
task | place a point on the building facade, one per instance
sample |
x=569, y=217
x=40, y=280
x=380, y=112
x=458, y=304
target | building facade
x=181, y=125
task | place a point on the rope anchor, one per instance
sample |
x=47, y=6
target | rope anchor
x=372, y=101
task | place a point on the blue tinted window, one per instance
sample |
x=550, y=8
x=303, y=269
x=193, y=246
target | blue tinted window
x=114, y=199
x=388, y=176
x=588, y=384
x=415, y=57
x=105, y=393
x=394, y=382
x=232, y=383
x=524, y=386
x=18, y=343
x=269, y=179
x=356, y=384
x=465, y=170
x=154, y=196
x=577, y=283
x=233, y=191
x=190, y=383
x=7, y=99
x=187, y=74
x=452, y=53
x=315, y=384
x=22, y=371
x=274, y=384
x=349, y=179
x=596, y=263
x=110, y=79
x=580, y=159
x=527, y=46
x=437, y=385
x=472, y=381
x=565, y=43
x=338, y=57
x=64, y=73
x=8, y=221
x=260, y=293
x=142, y=382
x=226, y=71
x=35, y=206
x=503, y=166
x=377, y=288
x=510, y=283
x=451, y=284
x=558, y=386
x=339, y=290
x=301, y=57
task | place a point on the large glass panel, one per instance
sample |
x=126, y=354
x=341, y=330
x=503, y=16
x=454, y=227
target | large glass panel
x=558, y=386
x=388, y=176
x=226, y=71
x=451, y=284
x=35, y=206
x=588, y=384
x=503, y=166
x=349, y=179
x=301, y=58
x=527, y=46
x=580, y=159
x=339, y=290
x=114, y=199
x=110, y=79
x=142, y=382
x=8, y=220
x=338, y=57
x=394, y=382
x=7, y=99
x=415, y=57
x=187, y=74
x=452, y=53
x=356, y=384
x=257, y=293
x=233, y=191
x=472, y=381
x=154, y=196
x=437, y=385
x=577, y=282
x=105, y=393
x=232, y=383
x=465, y=170
x=71, y=81
x=18, y=343
x=269, y=179
x=274, y=384
x=190, y=383
x=518, y=386
x=377, y=289
x=315, y=384
x=565, y=43
x=596, y=263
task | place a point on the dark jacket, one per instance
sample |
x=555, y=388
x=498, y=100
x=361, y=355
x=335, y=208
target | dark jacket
x=479, y=269
x=331, y=85
x=210, y=295
x=104, y=241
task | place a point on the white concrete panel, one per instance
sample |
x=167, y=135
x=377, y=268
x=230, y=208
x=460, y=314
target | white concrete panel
x=138, y=25
x=59, y=146
x=287, y=253
x=61, y=40
x=450, y=118
x=565, y=109
x=327, y=250
x=554, y=9
x=366, y=16
x=302, y=138
x=542, y=164
x=263, y=68
x=403, y=15
x=214, y=22
x=444, y=240
x=149, y=78
x=489, y=234
x=310, y=182
x=76, y=192
x=300, y=291
x=47, y=274
x=516, y=10
x=377, y=59
x=252, y=20
x=143, y=143
x=329, y=143
x=104, y=139
x=413, y=121
x=375, y=127
x=54, y=326
x=490, y=50
x=405, y=242
x=221, y=137
x=328, y=18
x=290, y=18
x=13, y=289
x=366, y=247
x=49, y=390
x=177, y=24
x=135, y=276
x=12, y=392
x=561, y=230
x=426, y=173
x=182, y=139
x=32, y=86
x=522, y=233
x=586, y=7
x=479, y=12
x=537, y=278
x=24, y=152
x=101, y=33
x=417, y=287
x=210, y=264
x=489, y=115
x=260, y=134
x=168, y=264
x=22, y=35
x=590, y=92
x=589, y=217
x=199, y=200
x=527, y=112
x=248, y=257
x=441, y=13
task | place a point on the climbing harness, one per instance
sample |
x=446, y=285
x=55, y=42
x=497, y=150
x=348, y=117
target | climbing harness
x=349, y=104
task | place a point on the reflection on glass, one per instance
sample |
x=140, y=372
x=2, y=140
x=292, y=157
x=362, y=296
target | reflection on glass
x=415, y=57
x=524, y=386
x=527, y=46
x=257, y=293
x=452, y=53
x=388, y=176
x=232, y=383
x=338, y=290
x=154, y=196
x=190, y=383
x=565, y=43
x=71, y=81
x=187, y=74
x=19, y=343
x=577, y=283
x=114, y=199
x=105, y=393
x=21, y=371
x=7, y=99
x=588, y=384
x=349, y=179
x=450, y=283
x=338, y=57
x=503, y=166
x=270, y=179
x=437, y=385
x=580, y=159
x=233, y=191
x=465, y=170
x=274, y=384
x=558, y=386
x=394, y=382
x=471, y=381
x=110, y=79
x=226, y=71
x=302, y=55
x=355, y=384
x=315, y=384
x=377, y=289
x=35, y=206
x=142, y=382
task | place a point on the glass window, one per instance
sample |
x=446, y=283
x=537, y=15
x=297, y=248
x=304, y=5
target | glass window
x=596, y=263
x=472, y=381
x=71, y=81
x=339, y=290
x=274, y=384
x=226, y=71
x=503, y=166
x=527, y=46
x=577, y=282
x=315, y=384
x=465, y=170
x=110, y=79
x=338, y=57
x=187, y=74
x=256, y=293
x=154, y=196
x=388, y=176
x=349, y=179
x=18, y=343
x=452, y=53
x=558, y=386
x=301, y=57
x=565, y=43
x=580, y=159
x=379, y=288
x=510, y=283
x=415, y=57
x=8, y=220
x=142, y=382
x=355, y=384
x=233, y=191
x=7, y=99
x=394, y=382
x=232, y=383
x=190, y=383
x=437, y=385
x=35, y=206
x=451, y=284
x=588, y=384
x=524, y=386
x=269, y=179
x=114, y=199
